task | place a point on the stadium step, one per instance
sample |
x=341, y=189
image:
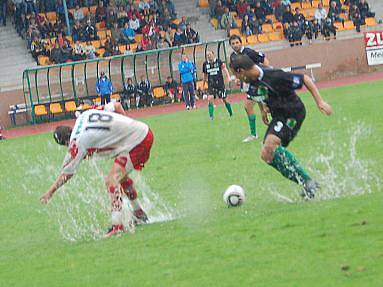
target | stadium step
x=17, y=58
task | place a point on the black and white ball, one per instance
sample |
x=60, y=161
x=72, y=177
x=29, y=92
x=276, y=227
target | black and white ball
x=234, y=195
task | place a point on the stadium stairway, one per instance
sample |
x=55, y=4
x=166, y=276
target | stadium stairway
x=14, y=59
x=199, y=18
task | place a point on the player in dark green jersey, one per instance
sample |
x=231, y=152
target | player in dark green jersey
x=213, y=70
x=287, y=113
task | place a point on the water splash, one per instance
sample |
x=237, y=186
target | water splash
x=339, y=168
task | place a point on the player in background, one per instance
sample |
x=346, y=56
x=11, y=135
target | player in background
x=288, y=113
x=255, y=91
x=107, y=133
x=213, y=70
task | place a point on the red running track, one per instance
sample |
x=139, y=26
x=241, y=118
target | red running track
x=171, y=108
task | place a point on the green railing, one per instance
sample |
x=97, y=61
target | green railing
x=77, y=80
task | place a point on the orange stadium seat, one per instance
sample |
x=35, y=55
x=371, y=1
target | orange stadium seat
x=267, y=28
x=115, y=98
x=138, y=37
x=101, y=35
x=85, y=10
x=235, y=31
x=295, y=5
x=70, y=106
x=96, y=44
x=159, y=92
x=252, y=40
x=97, y=101
x=276, y=36
x=338, y=26
x=51, y=16
x=203, y=3
x=201, y=86
x=133, y=47
x=43, y=60
x=40, y=110
x=371, y=22
x=277, y=26
x=348, y=25
x=306, y=5
x=122, y=48
x=55, y=108
x=263, y=38
x=239, y=22
x=244, y=40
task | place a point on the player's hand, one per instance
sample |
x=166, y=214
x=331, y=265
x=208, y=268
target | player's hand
x=44, y=199
x=325, y=108
x=237, y=82
x=265, y=118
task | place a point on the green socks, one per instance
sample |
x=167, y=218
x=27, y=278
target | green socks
x=211, y=110
x=253, y=130
x=285, y=162
x=228, y=108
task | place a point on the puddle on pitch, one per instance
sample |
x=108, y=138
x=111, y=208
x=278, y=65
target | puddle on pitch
x=339, y=168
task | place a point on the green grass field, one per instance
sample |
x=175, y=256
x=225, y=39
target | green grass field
x=274, y=239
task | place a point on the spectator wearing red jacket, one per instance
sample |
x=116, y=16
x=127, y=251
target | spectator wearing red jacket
x=241, y=8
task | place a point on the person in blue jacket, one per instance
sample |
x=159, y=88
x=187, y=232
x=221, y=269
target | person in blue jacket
x=104, y=88
x=187, y=69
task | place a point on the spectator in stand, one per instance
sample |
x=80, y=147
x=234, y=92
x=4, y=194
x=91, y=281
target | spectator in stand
x=66, y=51
x=111, y=18
x=90, y=51
x=133, y=11
x=219, y=10
x=365, y=10
x=108, y=46
x=134, y=23
x=153, y=6
x=117, y=35
x=265, y=5
x=151, y=30
x=246, y=26
x=250, y=12
x=286, y=3
x=78, y=15
x=317, y=28
x=128, y=34
x=169, y=36
x=101, y=12
x=3, y=12
x=294, y=34
x=146, y=44
x=355, y=17
x=122, y=16
x=104, y=88
x=139, y=48
x=287, y=17
x=227, y=21
x=129, y=94
x=60, y=39
x=30, y=6
x=77, y=32
x=90, y=32
x=187, y=69
x=36, y=48
x=320, y=14
x=183, y=23
x=144, y=8
x=144, y=93
x=55, y=56
x=170, y=6
x=308, y=30
x=242, y=8
x=162, y=44
x=191, y=36
x=260, y=13
x=78, y=53
x=334, y=13
x=256, y=27
x=328, y=28
x=171, y=89
x=299, y=18
x=179, y=38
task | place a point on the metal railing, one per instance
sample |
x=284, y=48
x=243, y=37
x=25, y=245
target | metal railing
x=77, y=80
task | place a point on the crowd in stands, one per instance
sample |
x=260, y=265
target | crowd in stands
x=99, y=28
x=249, y=16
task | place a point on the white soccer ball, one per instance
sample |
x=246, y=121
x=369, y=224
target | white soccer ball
x=234, y=195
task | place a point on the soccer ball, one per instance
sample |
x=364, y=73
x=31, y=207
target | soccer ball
x=234, y=195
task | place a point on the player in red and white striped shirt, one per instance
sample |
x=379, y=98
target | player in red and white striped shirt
x=107, y=133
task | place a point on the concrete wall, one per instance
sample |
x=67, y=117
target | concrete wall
x=340, y=58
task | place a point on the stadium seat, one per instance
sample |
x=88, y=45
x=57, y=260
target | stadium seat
x=252, y=40
x=272, y=18
x=214, y=23
x=315, y=3
x=203, y=3
x=235, y=31
x=97, y=101
x=96, y=44
x=100, y=52
x=263, y=38
x=159, y=92
x=138, y=38
x=55, y=108
x=40, y=110
x=122, y=48
x=306, y=5
x=244, y=40
x=85, y=10
x=201, y=86
x=92, y=9
x=348, y=25
x=43, y=60
x=101, y=35
x=267, y=28
x=133, y=47
x=70, y=106
x=177, y=21
x=277, y=26
x=239, y=22
x=51, y=16
x=338, y=26
x=371, y=22
x=276, y=36
x=295, y=5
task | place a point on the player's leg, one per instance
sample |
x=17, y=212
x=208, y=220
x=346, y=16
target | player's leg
x=116, y=174
x=210, y=99
x=185, y=93
x=273, y=152
x=222, y=95
x=192, y=94
x=249, y=108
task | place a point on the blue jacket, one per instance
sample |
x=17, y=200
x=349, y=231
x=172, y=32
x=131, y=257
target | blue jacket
x=186, y=70
x=104, y=86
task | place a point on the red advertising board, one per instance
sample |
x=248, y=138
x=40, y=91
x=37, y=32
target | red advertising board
x=374, y=47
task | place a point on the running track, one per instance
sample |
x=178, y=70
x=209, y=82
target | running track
x=171, y=108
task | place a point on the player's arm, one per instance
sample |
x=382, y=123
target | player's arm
x=226, y=72
x=266, y=62
x=115, y=108
x=264, y=112
x=324, y=107
x=60, y=181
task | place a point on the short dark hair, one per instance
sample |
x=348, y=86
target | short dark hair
x=241, y=62
x=235, y=37
x=62, y=134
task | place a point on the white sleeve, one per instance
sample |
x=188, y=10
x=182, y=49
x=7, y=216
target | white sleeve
x=72, y=160
x=109, y=107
